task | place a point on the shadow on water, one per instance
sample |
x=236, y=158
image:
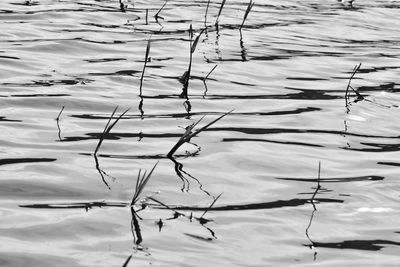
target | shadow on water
x=3, y=119
x=257, y=206
x=372, y=245
x=184, y=115
x=185, y=176
x=24, y=160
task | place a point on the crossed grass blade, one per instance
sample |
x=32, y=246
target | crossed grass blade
x=249, y=7
x=106, y=131
x=194, y=45
x=108, y=128
x=189, y=134
x=346, y=96
x=157, y=15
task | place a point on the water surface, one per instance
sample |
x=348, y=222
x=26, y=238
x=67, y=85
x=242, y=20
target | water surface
x=66, y=65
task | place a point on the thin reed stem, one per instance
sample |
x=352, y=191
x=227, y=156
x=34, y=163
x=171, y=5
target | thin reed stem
x=157, y=15
x=209, y=73
x=346, y=96
x=249, y=7
x=219, y=12
x=186, y=75
x=58, y=124
x=205, y=15
x=106, y=131
x=146, y=59
x=127, y=261
x=212, y=204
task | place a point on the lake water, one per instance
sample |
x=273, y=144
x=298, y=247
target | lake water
x=66, y=65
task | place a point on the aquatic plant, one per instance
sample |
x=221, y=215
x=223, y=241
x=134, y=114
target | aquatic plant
x=205, y=15
x=58, y=123
x=188, y=134
x=141, y=182
x=312, y=201
x=249, y=7
x=127, y=261
x=219, y=12
x=146, y=59
x=201, y=218
x=157, y=15
x=209, y=73
x=347, y=95
x=106, y=131
x=186, y=75
x=205, y=78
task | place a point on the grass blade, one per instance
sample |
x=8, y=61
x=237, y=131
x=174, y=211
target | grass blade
x=212, y=204
x=58, y=123
x=355, y=69
x=249, y=7
x=209, y=73
x=146, y=59
x=205, y=15
x=141, y=184
x=189, y=133
x=193, y=46
x=157, y=15
x=220, y=10
x=106, y=131
x=127, y=261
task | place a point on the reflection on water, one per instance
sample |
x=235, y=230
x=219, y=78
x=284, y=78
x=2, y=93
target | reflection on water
x=307, y=82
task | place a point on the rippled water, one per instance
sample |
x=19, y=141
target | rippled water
x=66, y=65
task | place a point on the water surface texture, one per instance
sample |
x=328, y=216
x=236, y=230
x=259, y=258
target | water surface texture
x=296, y=174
